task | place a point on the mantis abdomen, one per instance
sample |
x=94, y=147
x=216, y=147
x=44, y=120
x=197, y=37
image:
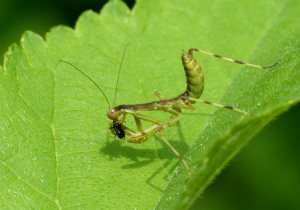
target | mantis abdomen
x=194, y=75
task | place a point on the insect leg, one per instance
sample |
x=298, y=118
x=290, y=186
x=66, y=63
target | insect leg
x=235, y=61
x=138, y=123
x=177, y=117
x=176, y=153
x=220, y=105
x=146, y=118
x=127, y=131
x=160, y=96
x=143, y=135
x=132, y=134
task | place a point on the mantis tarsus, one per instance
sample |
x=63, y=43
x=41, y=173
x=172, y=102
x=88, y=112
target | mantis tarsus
x=174, y=106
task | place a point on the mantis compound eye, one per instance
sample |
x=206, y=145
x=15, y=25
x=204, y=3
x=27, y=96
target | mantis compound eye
x=113, y=113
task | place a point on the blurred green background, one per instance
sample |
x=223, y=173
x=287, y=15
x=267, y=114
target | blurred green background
x=264, y=175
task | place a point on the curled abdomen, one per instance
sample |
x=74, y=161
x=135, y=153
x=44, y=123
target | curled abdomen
x=194, y=75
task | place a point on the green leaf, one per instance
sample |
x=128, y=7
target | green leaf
x=55, y=149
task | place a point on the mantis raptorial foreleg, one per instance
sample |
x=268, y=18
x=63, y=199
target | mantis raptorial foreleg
x=146, y=118
x=138, y=123
x=127, y=130
x=139, y=137
x=143, y=135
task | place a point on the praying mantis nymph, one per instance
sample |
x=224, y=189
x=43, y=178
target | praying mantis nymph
x=174, y=106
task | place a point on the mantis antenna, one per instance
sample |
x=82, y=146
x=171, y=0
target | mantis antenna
x=88, y=78
x=120, y=72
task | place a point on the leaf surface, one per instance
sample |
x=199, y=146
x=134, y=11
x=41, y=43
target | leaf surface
x=55, y=149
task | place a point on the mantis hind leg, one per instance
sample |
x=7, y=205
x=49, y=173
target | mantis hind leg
x=220, y=105
x=235, y=61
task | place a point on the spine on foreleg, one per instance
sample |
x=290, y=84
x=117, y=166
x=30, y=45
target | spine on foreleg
x=194, y=75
